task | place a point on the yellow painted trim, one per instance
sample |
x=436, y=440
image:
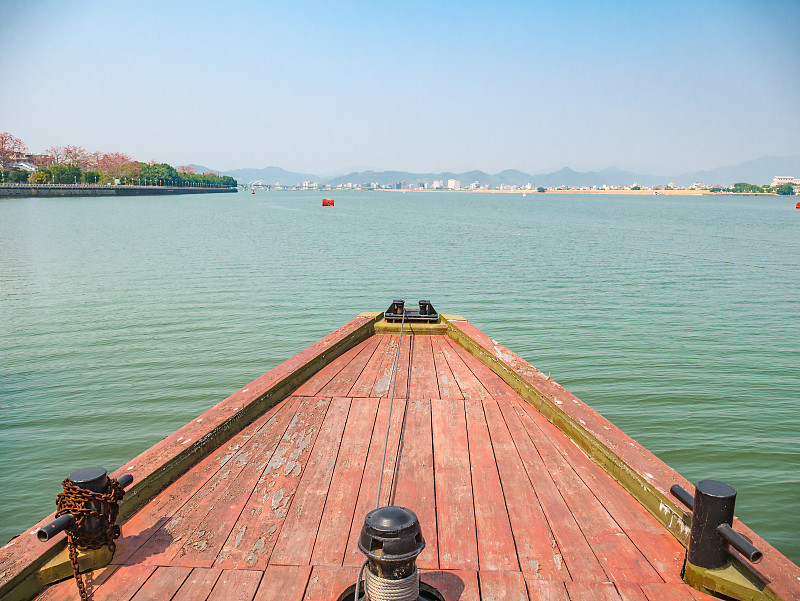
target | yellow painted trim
x=60, y=567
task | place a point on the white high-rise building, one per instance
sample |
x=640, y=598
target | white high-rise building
x=453, y=184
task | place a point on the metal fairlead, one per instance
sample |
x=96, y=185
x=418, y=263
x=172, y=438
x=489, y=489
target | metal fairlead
x=397, y=312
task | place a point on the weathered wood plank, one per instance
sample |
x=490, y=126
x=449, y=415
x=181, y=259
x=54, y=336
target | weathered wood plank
x=422, y=380
x=454, y=585
x=368, y=491
x=538, y=553
x=163, y=584
x=236, y=585
x=502, y=586
x=575, y=550
x=496, y=549
x=344, y=380
x=654, y=542
x=283, y=583
x=619, y=557
x=629, y=591
x=198, y=585
x=383, y=379
x=253, y=536
x=545, y=590
x=448, y=386
x=493, y=383
x=315, y=383
x=471, y=387
x=337, y=516
x=592, y=591
x=328, y=582
x=123, y=585
x=167, y=543
x=365, y=383
x=296, y=539
x=414, y=484
x=221, y=511
x=455, y=515
x=667, y=591
x=401, y=381
x=138, y=530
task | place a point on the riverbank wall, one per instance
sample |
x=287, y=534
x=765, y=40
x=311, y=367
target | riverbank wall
x=56, y=190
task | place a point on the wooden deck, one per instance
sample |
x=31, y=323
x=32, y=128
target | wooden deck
x=509, y=506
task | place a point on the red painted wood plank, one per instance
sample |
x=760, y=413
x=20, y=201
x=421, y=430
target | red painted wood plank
x=698, y=595
x=629, y=591
x=455, y=515
x=667, y=591
x=253, y=536
x=328, y=582
x=422, y=381
x=448, y=386
x=575, y=550
x=545, y=590
x=366, y=381
x=592, y=591
x=141, y=526
x=221, y=511
x=660, y=548
x=470, y=386
x=167, y=543
x=368, y=491
x=502, y=586
x=236, y=585
x=403, y=369
x=454, y=585
x=496, y=549
x=67, y=590
x=619, y=557
x=537, y=550
x=337, y=516
x=414, y=484
x=163, y=584
x=123, y=584
x=493, y=383
x=315, y=383
x=383, y=379
x=344, y=380
x=198, y=585
x=296, y=539
x=283, y=583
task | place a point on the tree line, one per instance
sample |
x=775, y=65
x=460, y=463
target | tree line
x=75, y=165
x=745, y=188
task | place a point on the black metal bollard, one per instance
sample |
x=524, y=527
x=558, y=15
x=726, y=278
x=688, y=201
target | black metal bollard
x=713, y=505
x=391, y=539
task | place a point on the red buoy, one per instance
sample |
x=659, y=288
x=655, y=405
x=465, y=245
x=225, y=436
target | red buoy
x=253, y=192
x=798, y=206
x=327, y=202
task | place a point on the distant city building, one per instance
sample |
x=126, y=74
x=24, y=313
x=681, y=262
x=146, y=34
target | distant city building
x=780, y=180
x=453, y=184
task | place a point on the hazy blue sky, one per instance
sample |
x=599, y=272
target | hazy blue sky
x=325, y=87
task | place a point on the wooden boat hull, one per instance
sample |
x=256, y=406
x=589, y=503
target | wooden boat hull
x=479, y=447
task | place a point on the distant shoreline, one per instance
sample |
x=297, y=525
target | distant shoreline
x=67, y=190
x=602, y=192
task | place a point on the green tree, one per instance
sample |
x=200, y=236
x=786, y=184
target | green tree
x=19, y=176
x=64, y=174
x=785, y=190
x=540, y=189
x=92, y=177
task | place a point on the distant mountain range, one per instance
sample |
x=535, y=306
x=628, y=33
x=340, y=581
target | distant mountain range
x=758, y=171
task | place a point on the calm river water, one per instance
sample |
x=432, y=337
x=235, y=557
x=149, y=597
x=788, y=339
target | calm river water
x=676, y=317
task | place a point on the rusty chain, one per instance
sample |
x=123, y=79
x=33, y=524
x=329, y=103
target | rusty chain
x=78, y=502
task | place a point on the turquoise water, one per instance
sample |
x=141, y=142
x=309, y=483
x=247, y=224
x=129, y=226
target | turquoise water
x=675, y=317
